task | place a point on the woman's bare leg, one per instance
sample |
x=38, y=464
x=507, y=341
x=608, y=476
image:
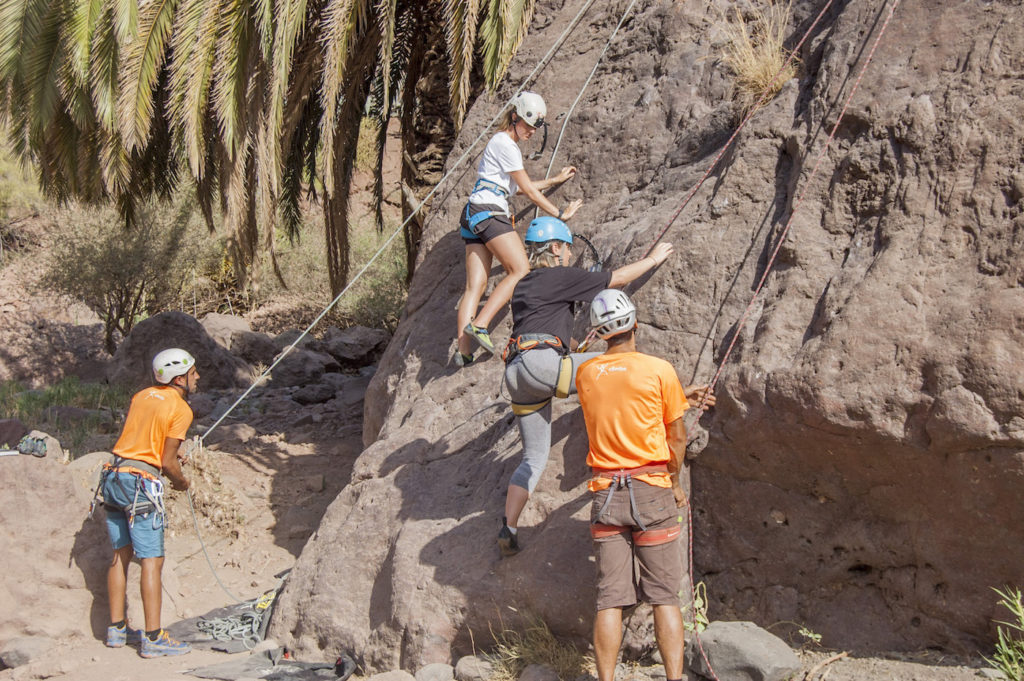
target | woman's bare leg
x=510, y=252
x=478, y=270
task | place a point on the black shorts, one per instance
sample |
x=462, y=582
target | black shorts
x=487, y=229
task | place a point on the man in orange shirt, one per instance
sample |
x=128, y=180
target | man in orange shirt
x=633, y=405
x=156, y=425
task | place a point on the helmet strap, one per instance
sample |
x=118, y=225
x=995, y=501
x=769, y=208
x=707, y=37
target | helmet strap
x=544, y=143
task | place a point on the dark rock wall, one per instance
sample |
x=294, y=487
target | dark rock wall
x=862, y=473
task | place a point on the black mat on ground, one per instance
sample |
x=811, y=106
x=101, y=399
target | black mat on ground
x=271, y=665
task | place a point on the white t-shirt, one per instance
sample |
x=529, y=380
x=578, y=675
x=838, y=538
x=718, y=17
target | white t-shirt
x=500, y=158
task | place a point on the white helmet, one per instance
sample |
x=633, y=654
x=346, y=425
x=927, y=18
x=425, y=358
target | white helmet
x=612, y=313
x=170, y=363
x=531, y=108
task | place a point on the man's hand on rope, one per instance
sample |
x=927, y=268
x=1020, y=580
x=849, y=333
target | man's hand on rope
x=700, y=396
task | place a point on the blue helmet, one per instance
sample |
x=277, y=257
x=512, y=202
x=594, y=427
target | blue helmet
x=547, y=228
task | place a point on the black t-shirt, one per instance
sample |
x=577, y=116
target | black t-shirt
x=542, y=300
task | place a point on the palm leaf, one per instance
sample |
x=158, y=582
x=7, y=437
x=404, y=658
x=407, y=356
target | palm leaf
x=386, y=19
x=519, y=14
x=350, y=116
x=269, y=142
x=140, y=69
x=344, y=25
x=43, y=60
x=20, y=23
x=126, y=19
x=232, y=72
x=191, y=78
x=104, y=54
x=460, y=23
x=114, y=161
x=77, y=31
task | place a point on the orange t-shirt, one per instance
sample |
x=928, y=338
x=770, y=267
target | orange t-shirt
x=628, y=399
x=155, y=414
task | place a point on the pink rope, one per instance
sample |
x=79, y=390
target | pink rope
x=760, y=285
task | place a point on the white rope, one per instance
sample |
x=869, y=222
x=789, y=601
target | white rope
x=568, y=115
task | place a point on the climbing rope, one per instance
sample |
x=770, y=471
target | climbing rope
x=247, y=626
x=796, y=205
x=767, y=270
x=284, y=353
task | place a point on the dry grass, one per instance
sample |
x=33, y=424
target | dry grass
x=215, y=503
x=516, y=650
x=755, y=51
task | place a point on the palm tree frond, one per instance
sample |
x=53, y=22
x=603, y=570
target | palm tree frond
x=141, y=66
x=20, y=23
x=104, y=56
x=232, y=73
x=193, y=53
x=460, y=37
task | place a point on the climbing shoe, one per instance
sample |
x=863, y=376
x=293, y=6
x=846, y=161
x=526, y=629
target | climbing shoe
x=507, y=541
x=119, y=637
x=163, y=645
x=480, y=335
x=462, y=360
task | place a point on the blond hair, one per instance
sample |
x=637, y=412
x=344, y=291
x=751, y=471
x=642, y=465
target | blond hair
x=505, y=123
x=540, y=255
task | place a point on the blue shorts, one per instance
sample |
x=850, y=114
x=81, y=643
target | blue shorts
x=146, y=532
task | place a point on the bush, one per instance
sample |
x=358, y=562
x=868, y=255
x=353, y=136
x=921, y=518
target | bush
x=1009, y=657
x=756, y=52
x=123, y=275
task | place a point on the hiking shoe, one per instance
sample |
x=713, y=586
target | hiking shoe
x=507, y=542
x=118, y=638
x=481, y=336
x=163, y=645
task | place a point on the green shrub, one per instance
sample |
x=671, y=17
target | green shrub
x=123, y=275
x=1009, y=657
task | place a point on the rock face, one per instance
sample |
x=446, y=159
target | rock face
x=862, y=472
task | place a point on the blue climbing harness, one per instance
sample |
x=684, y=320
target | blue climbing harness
x=475, y=219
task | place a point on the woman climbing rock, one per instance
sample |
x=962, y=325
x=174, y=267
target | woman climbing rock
x=487, y=224
x=538, y=361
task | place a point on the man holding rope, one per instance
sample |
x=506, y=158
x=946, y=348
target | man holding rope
x=157, y=422
x=633, y=405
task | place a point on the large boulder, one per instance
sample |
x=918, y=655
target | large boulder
x=862, y=472
x=132, y=363
x=356, y=345
x=46, y=527
x=223, y=327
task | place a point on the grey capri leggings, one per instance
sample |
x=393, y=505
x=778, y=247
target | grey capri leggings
x=531, y=378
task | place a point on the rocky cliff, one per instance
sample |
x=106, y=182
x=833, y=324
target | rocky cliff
x=862, y=473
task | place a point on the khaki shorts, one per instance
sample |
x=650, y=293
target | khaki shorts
x=658, y=574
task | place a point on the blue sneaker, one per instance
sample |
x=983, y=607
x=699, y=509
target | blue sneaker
x=163, y=645
x=118, y=638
